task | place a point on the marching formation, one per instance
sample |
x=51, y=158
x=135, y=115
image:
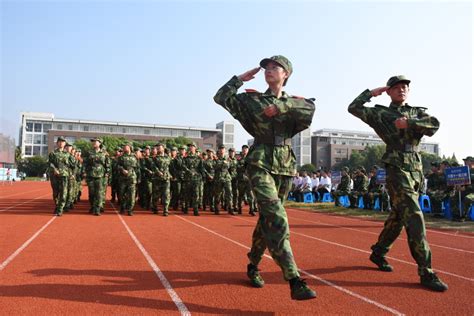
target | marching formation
x=158, y=178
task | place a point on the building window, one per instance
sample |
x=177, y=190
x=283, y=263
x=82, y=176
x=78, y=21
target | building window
x=29, y=127
x=323, y=139
x=229, y=128
x=46, y=127
x=37, y=139
x=146, y=132
x=229, y=139
x=28, y=150
x=59, y=127
x=85, y=128
x=124, y=130
x=38, y=127
x=69, y=127
x=70, y=139
x=111, y=129
x=207, y=145
x=29, y=138
x=45, y=139
x=36, y=150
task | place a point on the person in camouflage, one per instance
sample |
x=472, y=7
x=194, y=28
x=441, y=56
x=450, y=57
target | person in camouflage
x=193, y=170
x=129, y=174
x=222, y=182
x=467, y=194
x=79, y=175
x=105, y=179
x=401, y=127
x=243, y=183
x=344, y=187
x=159, y=166
x=114, y=183
x=208, y=178
x=96, y=168
x=72, y=178
x=175, y=186
x=147, y=182
x=233, y=175
x=437, y=188
x=272, y=118
x=58, y=166
x=361, y=184
x=376, y=190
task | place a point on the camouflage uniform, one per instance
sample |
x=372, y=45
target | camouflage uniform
x=244, y=188
x=222, y=184
x=114, y=180
x=270, y=163
x=71, y=183
x=97, y=166
x=79, y=173
x=404, y=173
x=147, y=182
x=177, y=173
x=159, y=166
x=193, y=170
x=361, y=184
x=376, y=190
x=58, y=162
x=467, y=197
x=233, y=182
x=129, y=173
x=437, y=190
x=343, y=188
x=208, y=176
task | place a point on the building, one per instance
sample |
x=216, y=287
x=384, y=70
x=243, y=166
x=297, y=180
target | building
x=330, y=146
x=7, y=151
x=39, y=132
x=301, y=145
x=226, y=135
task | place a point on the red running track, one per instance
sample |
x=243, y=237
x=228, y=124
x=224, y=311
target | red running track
x=148, y=264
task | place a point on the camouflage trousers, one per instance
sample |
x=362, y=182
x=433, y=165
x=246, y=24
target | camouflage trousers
x=245, y=191
x=59, y=186
x=127, y=189
x=354, y=197
x=96, y=193
x=383, y=199
x=160, y=190
x=403, y=189
x=70, y=191
x=191, y=193
x=208, y=194
x=235, y=192
x=175, y=189
x=146, y=198
x=223, y=190
x=272, y=230
x=436, y=200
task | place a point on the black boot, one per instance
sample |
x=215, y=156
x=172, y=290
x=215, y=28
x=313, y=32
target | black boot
x=300, y=291
x=432, y=282
x=254, y=276
x=380, y=262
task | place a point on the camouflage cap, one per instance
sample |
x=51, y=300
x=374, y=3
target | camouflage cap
x=245, y=146
x=181, y=147
x=68, y=145
x=159, y=144
x=78, y=151
x=469, y=158
x=61, y=139
x=138, y=149
x=361, y=168
x=282, y=61
x=396, y=79
x=96, y=139
x=191, y=144
x=435, y=163
x=346, y=169
x=204, y=153
x=221, y=146
x=147, y=147
x=232, y=149
x=210, y=150
x=174, y=148
x=445, y=162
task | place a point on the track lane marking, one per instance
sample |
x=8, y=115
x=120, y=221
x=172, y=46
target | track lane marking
x=29, y=241
x=372, y=233
x=344, y=290
x=367, y=252
x=375, y=222
x=36, y=198
x=1, y=197
x=164, y=281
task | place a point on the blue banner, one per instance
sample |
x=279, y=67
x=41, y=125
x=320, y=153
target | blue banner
x=381, y=176
x=457, y=175
x=335, y=177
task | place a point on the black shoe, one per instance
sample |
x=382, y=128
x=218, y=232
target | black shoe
x=195, y=213
x=381, y=263
x=432, y=282
x=165, y=213
x=231, y=213
x=130, y=213
x=254, y=276
x=300, y=291
x=251, y=213
x=154, y=211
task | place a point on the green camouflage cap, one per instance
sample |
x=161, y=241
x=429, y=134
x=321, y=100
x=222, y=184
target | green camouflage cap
x=221, y=146
x=282, y=61
x=232, y=149
x=245, y=146
x=210, y=150
x=68, y=145
x=469, y=158
x=181, y=147
x=191, y=144
x=346, y=169
x=174, y=148
x=61, y=139
x=435, y=163
x=204, y=154
x=147, y=147
x=396, y=79
x=78, y=151
x=96, y=139
x=159, y=144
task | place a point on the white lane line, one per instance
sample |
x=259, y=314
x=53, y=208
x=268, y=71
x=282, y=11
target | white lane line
x=349, y=292
x=19, y=250
x=2, y=197
x=365, y=251
x=372, y=233
x=8, y=208
x=376, y=222
x=174, y=296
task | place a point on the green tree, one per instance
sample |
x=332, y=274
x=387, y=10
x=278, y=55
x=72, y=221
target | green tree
x=33, y=166
x=310, y=168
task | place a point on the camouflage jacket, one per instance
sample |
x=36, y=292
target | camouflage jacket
x=241, y=167
x=160, y=167
x=233, y=167
x=146, y=164
x=382, y=118
x=192, y=167
x=436, y=182
x=129, y=163
x=373, y=185
x=176, y=168
x=295, y=115
x=208, y=167
x=97, y=164
x=361, y=183
x=221, y=169
x=345, y=184
x=59, y=161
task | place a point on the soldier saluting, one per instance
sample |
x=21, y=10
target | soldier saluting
x=401, y=127
x=272, y=118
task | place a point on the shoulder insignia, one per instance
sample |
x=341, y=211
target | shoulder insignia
x=251, y=91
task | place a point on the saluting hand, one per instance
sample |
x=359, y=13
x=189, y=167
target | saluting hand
x=249, y=75
x=271, y=110
x=378, y=91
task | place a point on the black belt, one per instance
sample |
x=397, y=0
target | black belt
x=406, y=148
x=276, y=141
